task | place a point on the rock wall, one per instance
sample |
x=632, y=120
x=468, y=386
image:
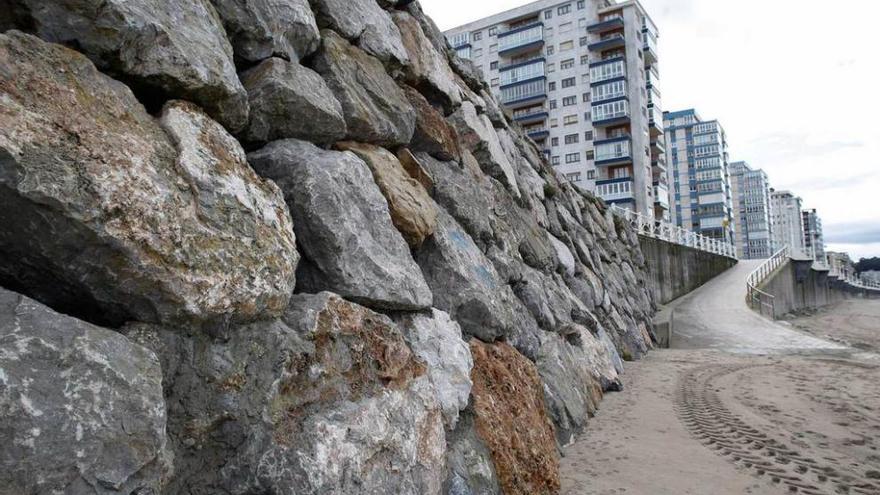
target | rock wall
x=677, y=270
x=288, y=247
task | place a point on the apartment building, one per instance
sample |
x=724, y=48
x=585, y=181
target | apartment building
x=751, y=212
x=787, y=220
x=696, y=151
x=581, y=77
x=814, y=241
x=841, y=265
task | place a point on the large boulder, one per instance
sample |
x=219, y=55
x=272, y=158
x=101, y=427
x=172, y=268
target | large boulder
x=108, y=216
x=259, y=29
x=81, y=407
x=288, y=100
x=349, y=243
x=469, y=466
x=479, y=137
x=510, y=418
x=364, y=22
x=322, y=401
x=412, y=211
x=164, y=49
x=436, y=339
x=433, y=134
x=376, y=110
x=428, y=70
x=467, y=286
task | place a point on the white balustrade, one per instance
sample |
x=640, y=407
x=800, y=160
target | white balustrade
x=674, y=234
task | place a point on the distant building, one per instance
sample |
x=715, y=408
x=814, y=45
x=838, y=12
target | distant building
x=786, y=220
x=751, y=212
x=814, y=240
x=581, y=77
x=696, y=154
x=841, y=265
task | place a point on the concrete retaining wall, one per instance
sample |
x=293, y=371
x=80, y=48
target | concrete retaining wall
x=677, y=270
x=796, y=285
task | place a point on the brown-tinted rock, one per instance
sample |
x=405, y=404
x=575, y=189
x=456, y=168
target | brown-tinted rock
x=510, y=418
x=428, y=69
x=412, y=211
x=433, y=134
x=415, y=169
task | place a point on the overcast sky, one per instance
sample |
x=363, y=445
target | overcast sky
x=795, y=83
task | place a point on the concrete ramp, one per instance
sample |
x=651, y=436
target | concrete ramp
x=716, y=316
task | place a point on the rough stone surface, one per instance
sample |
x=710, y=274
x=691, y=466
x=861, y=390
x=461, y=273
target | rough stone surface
x=479, y=137
x=470, y=469
x=428, y=69
x=412, y=211
x=343, y=226
x=433, y=134
x=376, y=110
x=321, y=401
x=288, y=100
x=116, y=223
x=414, y=168
x=259, y=29
x=164, y=49
x=81, y=407
x=511, y=420
x=366, y=23
x=436, y=339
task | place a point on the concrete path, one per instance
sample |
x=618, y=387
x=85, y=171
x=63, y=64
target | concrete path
x=716, y=316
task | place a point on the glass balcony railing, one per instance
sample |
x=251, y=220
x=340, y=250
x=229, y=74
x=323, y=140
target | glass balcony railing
x=610, y=70
x=526, y=91
x=520, y=37
x=616, y=189
x=530, y=112
x=523, y=73
x=607, y=42
x=615, y=151
x=661, y=195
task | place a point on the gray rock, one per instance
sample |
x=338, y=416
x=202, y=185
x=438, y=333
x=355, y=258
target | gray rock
x=288, y=100
x=436, y=340
x=117, y=224
x=433, y=134
x=259, y=29
x=467, y=286
x=376, y=109
x=164, y=49
x=479, y=137
x=563, y=254
x=343, y=225
x=428, y=69
x=322, y=401
x=470, y=470
x=81, y=407
x=367, y=24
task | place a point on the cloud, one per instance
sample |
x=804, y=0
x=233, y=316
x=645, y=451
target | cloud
x=853, y=233
x=826, y=183
x=799, y=144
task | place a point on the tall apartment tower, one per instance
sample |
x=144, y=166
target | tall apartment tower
x=751, y=212
x=581, y=77
x=814, y=240
x=787, y=220
x=696, y=151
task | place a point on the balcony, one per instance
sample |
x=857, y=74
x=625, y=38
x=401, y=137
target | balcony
x=650, y=47
x=527, y=94
x=537, y=133
x=606, y=25
x=616, y=151
x=658, y=145
x=522, y=73
x=521, y=40
x=605, y=70
x=661, y=196
x=611, y=113
x=616, y=190
x=655, y=121
x=530, y=115
x=608, y=42
x=520, y=61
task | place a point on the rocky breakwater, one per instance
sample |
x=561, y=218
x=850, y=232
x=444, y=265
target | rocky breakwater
x=287, y=247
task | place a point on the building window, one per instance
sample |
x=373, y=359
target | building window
x=552, y=104
x=565, y=9
x=584, y=41
x=554, y=123
x=591, y=174
x=548, y=14
x=564, y=28
x=582, y=23
x=493, y=66
x=551, y=86
x=554, y=160
x=588, y=116
x=590, y=154
x=585, y=59
x=573, y=177
x=566, y=64
x=569, y=101
x=551, y=68
x=554, y=141
x=493, y=31
x=493, y=48
x=586, y=97
x=494, y=82
x=478, y=36
x=588, y=136
x=569, y=82
x=478, y=52
x=550, y=50
x=582, y=4
x=566, y=46
x=572, y=139
x=573, y=158
x=570, y=119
